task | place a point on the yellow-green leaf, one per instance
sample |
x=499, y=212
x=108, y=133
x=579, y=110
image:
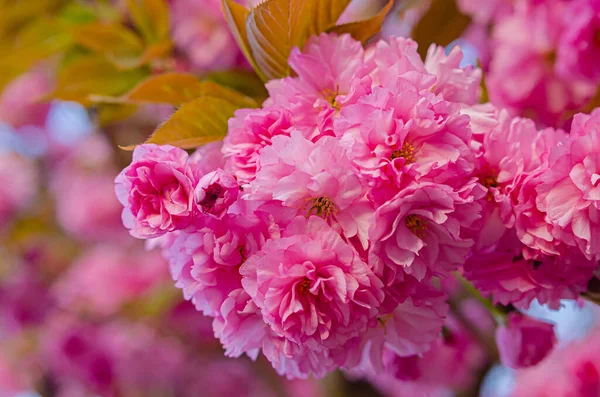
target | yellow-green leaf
x=268, y=33
x=236, y=14
x=114, y=41
x=94, y=75
x=485, y=96
x=313, y=17
x=177, y=89
x=194, y=124
x=151, y=17
x=365, y=29
x=441, y=24
x=109, y=113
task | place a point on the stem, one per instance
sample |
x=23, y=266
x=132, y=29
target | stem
x=498, y=314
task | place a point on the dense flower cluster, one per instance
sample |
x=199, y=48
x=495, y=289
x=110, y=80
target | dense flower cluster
x=317, y=231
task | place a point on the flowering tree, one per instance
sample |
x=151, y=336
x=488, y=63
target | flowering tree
x=328, y=193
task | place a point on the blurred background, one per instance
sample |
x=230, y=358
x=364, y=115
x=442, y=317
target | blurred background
x=86, y=309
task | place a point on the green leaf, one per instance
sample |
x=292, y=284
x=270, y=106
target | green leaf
x=364, y=30
x=441, y=24
x=94, y=75
x=177, y=89
x=151, y=18
x=198, y=122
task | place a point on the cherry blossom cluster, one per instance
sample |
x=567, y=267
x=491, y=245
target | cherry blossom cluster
x=319, y=230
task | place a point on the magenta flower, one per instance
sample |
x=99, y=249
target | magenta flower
x=156, y=190
x=215, y=192
x=524, y=341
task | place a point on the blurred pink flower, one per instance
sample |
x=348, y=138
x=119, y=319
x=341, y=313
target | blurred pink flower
x=107, y=277
x=201, y=33
x=18, y=185
x=21, y=102
x=524, y=341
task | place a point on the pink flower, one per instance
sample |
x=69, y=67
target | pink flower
x=456, y=84
x=524, y=341
x=525, y=49
x=200, y=31
x=207, y=158
x=421, y=231
x=250, y=131
x=297, y=176
x=313, y=290
x=485, y=11
x=156, y=190
x=21, y=104
x=331, y=74
x=205, y=262
x=578, y=51
x=515, y=275
x=401, y=135
x=127, y=274
x=18, y=185
x=215, y=192
x=569, y=192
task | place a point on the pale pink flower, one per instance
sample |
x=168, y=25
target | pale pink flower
x=401, y=135
x=215, y=192
x=156, y=190
x=107, y=277
x=313, y=290
x=569, y=192
x=206, y=158
x=297, y=176
x=21, y=102
x=331, y=74
x=396, y=59
x=205, y=262
x=18, y=185
x=486, y=11
x=524, y=341
x=249, y=131
x=201, y=33
x=456, y=84
x=421, y=231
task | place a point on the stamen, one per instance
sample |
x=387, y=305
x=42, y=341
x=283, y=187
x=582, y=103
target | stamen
x=330, y=96
x=211, y=194
x=303, y=286
x=417, y=225
x=322, y=206
x=407, y=153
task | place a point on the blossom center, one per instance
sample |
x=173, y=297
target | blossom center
x=211, y=194
x=489, y=180
x=330, y=96
x=416, y=225
x=322, y=206
x=303, y=286
x=407, y=152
